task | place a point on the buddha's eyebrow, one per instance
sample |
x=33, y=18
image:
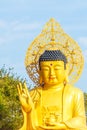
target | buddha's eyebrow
x=45, y=66
x=59, y=65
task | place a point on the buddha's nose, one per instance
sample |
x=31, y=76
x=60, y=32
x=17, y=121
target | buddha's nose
x=52, y=72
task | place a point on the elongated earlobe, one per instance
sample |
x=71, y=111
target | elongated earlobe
x=40, y=80
x=40, y=77
x=66, y=80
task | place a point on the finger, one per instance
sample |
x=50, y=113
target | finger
x=20, y=86
x=26, y=89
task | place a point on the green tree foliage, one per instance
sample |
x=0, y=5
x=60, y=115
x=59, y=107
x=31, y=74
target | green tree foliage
x=85, y=97
x=11, y=117
x=10, y=110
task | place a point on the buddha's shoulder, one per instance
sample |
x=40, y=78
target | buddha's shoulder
x=35, y=93
x=35, y=89
x=73, y=89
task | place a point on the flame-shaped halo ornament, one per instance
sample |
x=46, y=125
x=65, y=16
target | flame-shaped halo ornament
x=53, y=37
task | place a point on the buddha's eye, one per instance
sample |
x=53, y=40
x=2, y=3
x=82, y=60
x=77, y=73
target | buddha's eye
x=45, y=68
x=57, y=68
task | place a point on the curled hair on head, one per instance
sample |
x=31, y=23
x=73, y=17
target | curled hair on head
x=53, y=55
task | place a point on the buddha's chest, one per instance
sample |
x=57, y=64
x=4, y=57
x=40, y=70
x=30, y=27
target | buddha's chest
x=50, y=107
x=52, y=99
x=54, y=106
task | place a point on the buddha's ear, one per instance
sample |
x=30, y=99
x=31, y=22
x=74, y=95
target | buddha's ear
x=40, y=80
x=39, y=72
x=67, y=68
x=66, y=73
x=40, y=76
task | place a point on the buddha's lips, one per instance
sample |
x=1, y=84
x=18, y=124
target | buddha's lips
x=52, y=77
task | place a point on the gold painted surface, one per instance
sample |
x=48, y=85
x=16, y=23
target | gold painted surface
x=56, y=105
x=51, y=37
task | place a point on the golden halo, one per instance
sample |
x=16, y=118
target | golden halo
x=51, y=37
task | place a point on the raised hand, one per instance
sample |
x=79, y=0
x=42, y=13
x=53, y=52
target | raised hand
x=25, y=98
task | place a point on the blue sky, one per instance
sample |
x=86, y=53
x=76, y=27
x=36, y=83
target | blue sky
x=22, y=20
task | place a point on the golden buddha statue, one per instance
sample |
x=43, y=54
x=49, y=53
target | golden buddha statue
x=55, y=104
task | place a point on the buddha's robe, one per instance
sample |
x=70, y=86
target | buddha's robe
x=63, y=104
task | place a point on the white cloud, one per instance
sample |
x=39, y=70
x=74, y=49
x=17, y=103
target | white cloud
x=14, y=30
x=2, y=40
x=83, y=41
x=76, y=27
x=19, y=25
x=2, y=24
x=85, y=55
x=26, y=26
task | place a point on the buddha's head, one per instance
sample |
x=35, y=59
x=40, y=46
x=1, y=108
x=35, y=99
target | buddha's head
x=53, y=66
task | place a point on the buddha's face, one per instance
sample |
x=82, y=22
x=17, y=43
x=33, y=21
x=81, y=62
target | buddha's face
x=52, y=72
